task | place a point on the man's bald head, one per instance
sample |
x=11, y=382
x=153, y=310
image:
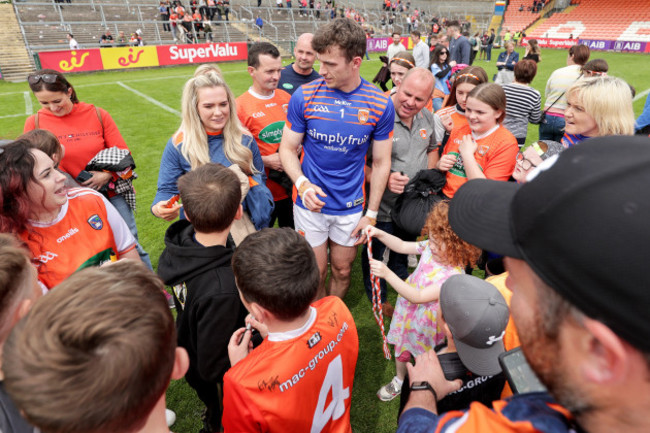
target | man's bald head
x=414, y=93
x=304, y=54
x=423, y=78
x=305, y=38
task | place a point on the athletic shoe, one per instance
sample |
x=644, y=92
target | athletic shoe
x=390, y=391
x=170, y=416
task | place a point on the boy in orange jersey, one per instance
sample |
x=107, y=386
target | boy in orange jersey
x=300, y=378
x=263, y=110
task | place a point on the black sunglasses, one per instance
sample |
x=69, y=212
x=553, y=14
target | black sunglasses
x=47, y=78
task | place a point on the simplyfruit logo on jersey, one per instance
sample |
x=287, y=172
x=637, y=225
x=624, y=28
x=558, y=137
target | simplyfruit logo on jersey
x=272, y=134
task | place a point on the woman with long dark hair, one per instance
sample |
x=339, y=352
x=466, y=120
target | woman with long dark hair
x=64, y=229
x=441, y=71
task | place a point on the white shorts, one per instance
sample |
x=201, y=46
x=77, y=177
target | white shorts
x=317, y=227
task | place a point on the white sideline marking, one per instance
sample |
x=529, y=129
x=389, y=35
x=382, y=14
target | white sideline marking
x=12, y=115
x=150, y=99
x=641, y=95
x=29, y=108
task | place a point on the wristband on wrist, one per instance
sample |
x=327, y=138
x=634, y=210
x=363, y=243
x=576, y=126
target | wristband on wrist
x=424, y=386
x=303, y=193
x=372, y=214
x=302, y=179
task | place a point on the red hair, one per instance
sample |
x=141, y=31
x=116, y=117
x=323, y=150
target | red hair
x=456, y=252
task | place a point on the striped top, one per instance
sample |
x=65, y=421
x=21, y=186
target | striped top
x=338, y=128
x=523, y=105
x=557, y=85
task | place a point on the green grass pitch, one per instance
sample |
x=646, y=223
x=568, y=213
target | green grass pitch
x=146, y=127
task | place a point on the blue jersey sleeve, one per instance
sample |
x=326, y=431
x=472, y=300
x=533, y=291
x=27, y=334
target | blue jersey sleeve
x=171, y=168
x=296, y=112
x=386, y=123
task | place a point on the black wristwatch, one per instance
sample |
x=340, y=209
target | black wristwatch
x=424, y=386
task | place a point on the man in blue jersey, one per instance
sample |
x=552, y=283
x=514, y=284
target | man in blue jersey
x=335, y=119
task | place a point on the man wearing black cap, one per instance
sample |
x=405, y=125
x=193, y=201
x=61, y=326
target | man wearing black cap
x=576, y=239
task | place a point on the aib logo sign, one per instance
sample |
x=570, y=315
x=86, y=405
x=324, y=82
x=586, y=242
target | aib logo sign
x=627, y=46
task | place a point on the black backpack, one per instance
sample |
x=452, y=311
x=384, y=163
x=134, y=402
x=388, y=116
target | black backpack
x=417, y=200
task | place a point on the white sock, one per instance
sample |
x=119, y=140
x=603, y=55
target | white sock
x=398, y=381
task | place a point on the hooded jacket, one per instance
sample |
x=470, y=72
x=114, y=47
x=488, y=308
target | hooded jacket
x=207, y=302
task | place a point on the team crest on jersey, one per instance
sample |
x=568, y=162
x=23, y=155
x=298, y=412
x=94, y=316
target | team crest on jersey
x=314, y=340
x=363, y=116
x=285, y=108
x=483, y=149
x=96, y=222
x=423, y=134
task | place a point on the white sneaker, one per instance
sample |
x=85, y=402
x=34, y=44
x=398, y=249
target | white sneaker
x=170, y=416
x=390, y=391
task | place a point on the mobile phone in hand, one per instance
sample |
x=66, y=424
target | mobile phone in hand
x=84, y=176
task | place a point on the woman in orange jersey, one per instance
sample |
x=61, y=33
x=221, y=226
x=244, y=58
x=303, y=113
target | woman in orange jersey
x=452, y=115
x=96, y=154
x=64, y=229
x=482, y=148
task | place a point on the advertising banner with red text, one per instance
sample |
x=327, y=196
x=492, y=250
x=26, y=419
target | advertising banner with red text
x=201, y=53
x=552, y=43
x=129, y=57
x=71, y=61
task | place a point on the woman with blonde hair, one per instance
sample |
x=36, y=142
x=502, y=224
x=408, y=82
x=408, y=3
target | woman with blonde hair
x=210, y=131
x=596, y=107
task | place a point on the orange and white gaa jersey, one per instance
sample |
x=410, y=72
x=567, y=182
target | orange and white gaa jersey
x=265, y=117
x=86, y=232
x=299, y=381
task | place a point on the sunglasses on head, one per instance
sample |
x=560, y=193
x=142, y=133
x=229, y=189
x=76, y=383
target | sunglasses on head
x=47, y=78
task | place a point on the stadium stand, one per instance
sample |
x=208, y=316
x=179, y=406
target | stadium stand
x=44, y=24
x=15, y=61
x=516, y=20
x=593, y=19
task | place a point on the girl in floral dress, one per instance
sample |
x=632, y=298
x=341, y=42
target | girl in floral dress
x=413, y=329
